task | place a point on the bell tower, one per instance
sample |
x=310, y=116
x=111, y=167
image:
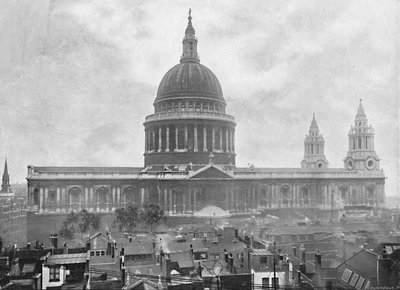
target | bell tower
x=314, y=156
x=361, y=154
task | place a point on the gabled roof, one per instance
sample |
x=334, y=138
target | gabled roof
x=211, y=171
x=363, y=262
x=67, y=259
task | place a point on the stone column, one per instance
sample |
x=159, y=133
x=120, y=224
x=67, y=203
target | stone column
x=254, y=197
x=226, y=140
x=195, y=199
x=159, y=139
x=170, y=201
x=176, y=138
x=118, y=197
x=58, y=209
x=86, y=197
x=91, y=199
x=167, y=139
x=233, y=141
x=46, y=198
x=190, y=198
x=165, y=199
x=186, y=137
x=184, y=202
x=220, y=140
x=153, y=133
x=213, y=139
x=205, y=139
x=63, y=199
x=146, y=147
x=227, y=198
x=195, y=149
x=113, y=198
x=158, y=195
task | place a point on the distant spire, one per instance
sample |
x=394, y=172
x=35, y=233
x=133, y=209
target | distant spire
x=314, y=125
x=360, y=111
x=190, y=42
x=5, y=186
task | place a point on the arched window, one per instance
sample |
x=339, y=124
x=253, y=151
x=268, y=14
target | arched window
x=305, y=195
x=285, y=195
x=102, y=195
x=370, y=195
x=131, y=195
x=36, y=196
x=74, y=195
x=343, y=192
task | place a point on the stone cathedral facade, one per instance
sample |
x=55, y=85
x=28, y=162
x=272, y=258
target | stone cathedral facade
x=190, y=161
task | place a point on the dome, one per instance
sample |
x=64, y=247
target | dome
x=189, y=79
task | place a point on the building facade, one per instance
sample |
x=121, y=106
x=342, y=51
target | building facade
x=190, y=161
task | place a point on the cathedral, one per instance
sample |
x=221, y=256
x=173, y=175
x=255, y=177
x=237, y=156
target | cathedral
x=190, y=161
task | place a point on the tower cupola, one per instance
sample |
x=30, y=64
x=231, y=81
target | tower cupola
x=314, y=156
x=361, y=154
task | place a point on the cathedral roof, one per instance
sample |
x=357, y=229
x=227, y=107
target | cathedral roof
x=189, y=78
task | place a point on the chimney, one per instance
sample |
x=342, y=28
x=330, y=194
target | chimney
x=161, y=259
x=191, y=249
x=130, y=238
x=168, y=269
x=226, y=255
x=249, y=251
x=122, y=258
x=230, y=263
x=28, y=246
x=88, y=245
x=294, y=250
x=113, y=250
x=199, y=270
x=302, y=253
x=318, y=261
x=303, y=268
x=123, y=276
x=344, y=248
x=54, y=240
x=109, y=248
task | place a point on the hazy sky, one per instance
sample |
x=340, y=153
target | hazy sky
x=78, y=77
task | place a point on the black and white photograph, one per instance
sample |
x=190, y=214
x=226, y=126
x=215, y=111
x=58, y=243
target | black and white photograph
x=216, y=144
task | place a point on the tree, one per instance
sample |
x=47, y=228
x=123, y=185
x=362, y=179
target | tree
x=127, y=218
x=148, y=216
x=81, y=222
x=151, y=215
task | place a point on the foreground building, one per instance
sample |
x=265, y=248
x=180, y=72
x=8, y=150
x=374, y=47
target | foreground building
x=190, y=161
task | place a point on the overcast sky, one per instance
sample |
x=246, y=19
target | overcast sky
x=78, y=77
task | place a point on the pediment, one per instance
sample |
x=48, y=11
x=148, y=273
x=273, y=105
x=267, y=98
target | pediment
x=211, y=172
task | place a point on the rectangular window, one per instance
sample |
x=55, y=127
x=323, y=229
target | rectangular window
x=360, y=283
x=354, y=280
x=346, y=275
x=54, y=274
x=265, y=283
